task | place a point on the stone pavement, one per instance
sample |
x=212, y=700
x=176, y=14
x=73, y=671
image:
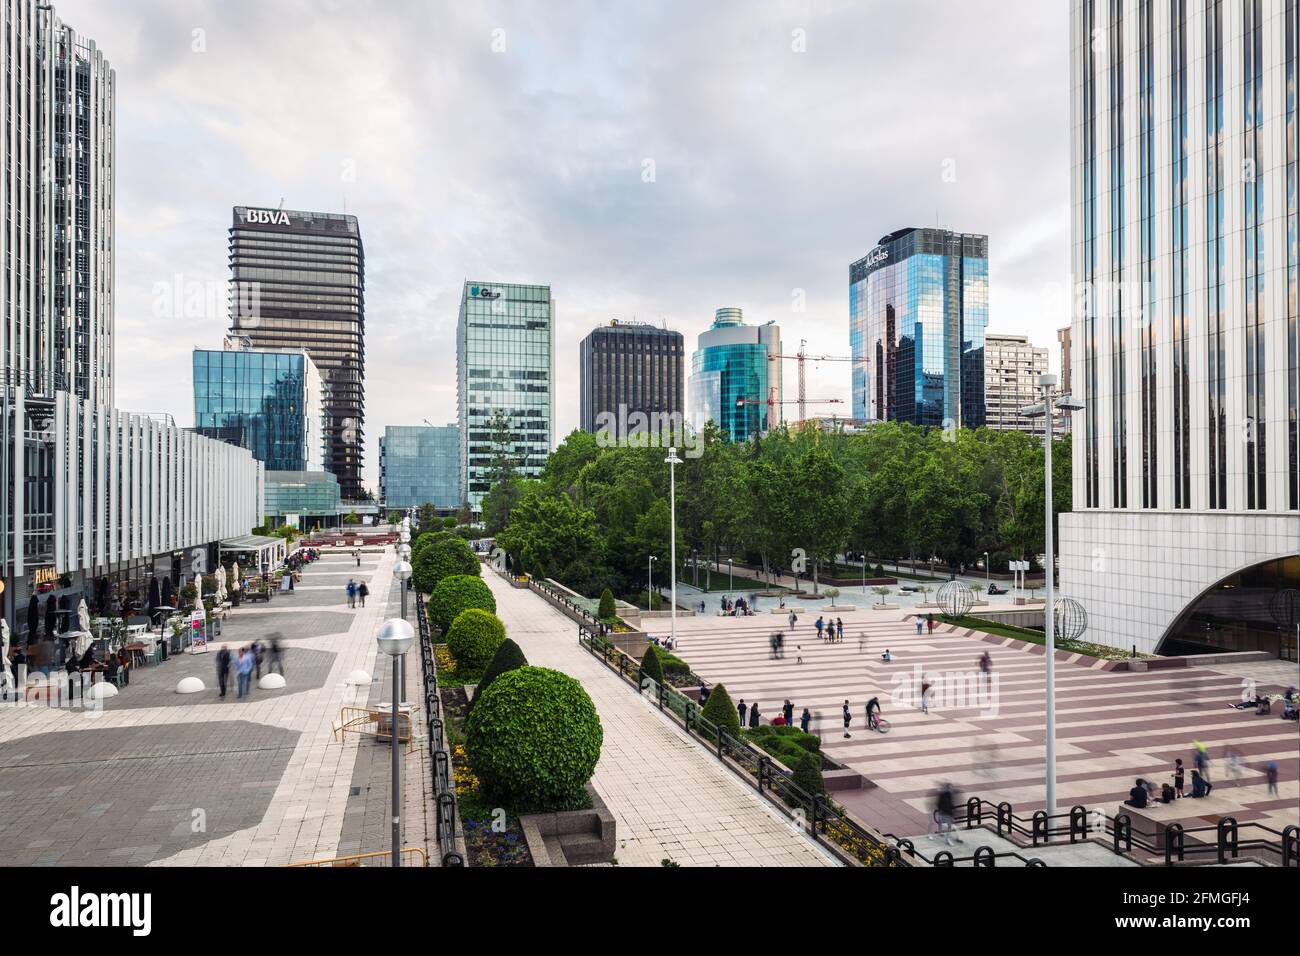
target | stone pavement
x=1112, y=726
x=160, y=778
x=670, y=797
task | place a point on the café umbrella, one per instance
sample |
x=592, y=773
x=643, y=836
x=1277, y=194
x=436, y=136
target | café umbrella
x=33, y=619
x=155, y=598
x=167, y=591
x=83, y=616
x=234, y=576
x=51, y=617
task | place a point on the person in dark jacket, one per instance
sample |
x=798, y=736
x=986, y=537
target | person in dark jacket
x=1137, y=796
x=753, y=714
x=788, y=712
x=362, y=591
x=804, y=720
x=223, y=669
x=743, y=711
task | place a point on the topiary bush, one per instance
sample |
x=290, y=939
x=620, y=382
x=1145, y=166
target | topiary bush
x=533, y=740
x=651, y=666
x=457, y=593
x=473, y=639
x=507, y=658
x=444, y=556
x=721, y=710
x=807, y=773
x=608, y=609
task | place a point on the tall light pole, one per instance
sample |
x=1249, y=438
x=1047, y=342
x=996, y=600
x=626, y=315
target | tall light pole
x=395, y=639
x=986, y=572
x=650, y=586
x=1047, y=409
x=672, y=461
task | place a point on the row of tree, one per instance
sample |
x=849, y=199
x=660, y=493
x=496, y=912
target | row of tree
x=597, y=513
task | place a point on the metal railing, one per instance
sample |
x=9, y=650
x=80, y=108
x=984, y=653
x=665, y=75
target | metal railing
x=827, y=823
x=411, y=856
x=1220, y=842
x=444, y=786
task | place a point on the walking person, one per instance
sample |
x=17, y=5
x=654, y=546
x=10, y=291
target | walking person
x=257, y=658
x=1202, y=760
x=743, y=711
x=925, y=696
x=821, y=626
x=223, y=669
x=357, y=555
x=848, y=718
x=919, y=624
x=1270, y=774
x=787, y=711
x=793, y=620
x=362, y=590
x=798, y=649
x=352, y=593
x=873, y=710
x=839, y=630
x=929, y=622
x=753, y=714
x=246, y=664
x=277, y=658
x=804, y=720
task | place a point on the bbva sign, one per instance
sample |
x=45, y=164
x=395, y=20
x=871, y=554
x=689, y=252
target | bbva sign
x=267, y=217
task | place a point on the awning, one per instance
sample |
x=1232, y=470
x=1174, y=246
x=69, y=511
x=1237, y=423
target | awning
x=250, y=542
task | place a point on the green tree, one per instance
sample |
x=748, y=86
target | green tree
x=505, y=487
x=441, y=558
x=457, y=593
x=552, y=538
x=426, y=516
x=607, y=610
x=507, y=658
x=473, y=640
x=721, y=711
x=651, y=666
x=352, y=518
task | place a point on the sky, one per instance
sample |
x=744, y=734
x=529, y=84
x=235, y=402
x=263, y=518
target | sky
x=648, y=160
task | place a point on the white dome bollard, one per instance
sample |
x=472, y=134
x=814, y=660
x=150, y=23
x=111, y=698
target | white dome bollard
x=189, y=685
x=101, y=691
x=271, y=682
x=357, y=677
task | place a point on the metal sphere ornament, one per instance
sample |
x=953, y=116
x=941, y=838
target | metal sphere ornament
x=956, y=598
x=1284, y=606
x=1069, y=619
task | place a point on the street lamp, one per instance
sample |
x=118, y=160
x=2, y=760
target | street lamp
x=395, y=639
x=650, y=585
x=1046, y=409
x=672, y=461
x=403, y=571
x=986, y=572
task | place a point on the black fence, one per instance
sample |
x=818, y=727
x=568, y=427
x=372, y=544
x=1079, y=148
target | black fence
x=1220, y=842
x=444, y=787
x=827, y=823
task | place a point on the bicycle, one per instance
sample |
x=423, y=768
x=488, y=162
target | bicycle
x=880, y=725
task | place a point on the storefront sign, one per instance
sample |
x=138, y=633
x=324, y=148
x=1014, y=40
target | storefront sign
x=44, y=576
x=198, y=632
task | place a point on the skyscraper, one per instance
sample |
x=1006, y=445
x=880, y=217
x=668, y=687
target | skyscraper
x=1012, y=365
x=918, y=307
x=735, y=380
x=505, y=358
x=1186, y=511
x=298, y=280
x=629, y=369
x=420, y=465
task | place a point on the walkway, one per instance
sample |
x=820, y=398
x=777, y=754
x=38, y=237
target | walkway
x=671, y=798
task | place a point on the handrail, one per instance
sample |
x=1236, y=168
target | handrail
x=444, y=788
x=1173, y=843
x=827, y=823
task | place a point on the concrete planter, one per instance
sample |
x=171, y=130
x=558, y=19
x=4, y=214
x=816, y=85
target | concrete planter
x=571, y=837
x=884, y=607
x=841, y=608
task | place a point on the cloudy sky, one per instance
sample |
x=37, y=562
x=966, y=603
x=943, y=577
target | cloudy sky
x=650, y=160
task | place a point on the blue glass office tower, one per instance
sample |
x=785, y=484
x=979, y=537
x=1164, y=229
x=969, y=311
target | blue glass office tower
x=734, y=382
x=268, y=401
x=420, y=465
x=918, y=308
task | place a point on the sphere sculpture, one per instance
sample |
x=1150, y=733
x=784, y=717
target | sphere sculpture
x=1069, y=619
x=1284, y=606
x=956, y=598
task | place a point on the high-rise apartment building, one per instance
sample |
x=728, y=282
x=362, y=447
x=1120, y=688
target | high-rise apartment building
x=505, y=362
x=1012, y=365
x=420, y=465
x=918, y=308
x=298, y=281
x=1186, y=511
x=630, y=369
x=736, y=377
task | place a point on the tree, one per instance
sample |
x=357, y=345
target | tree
x=817, y=508
x=457, y=593
x=352, y=518
x=607, y=610
x=426, y=516
x=883, y=590
x=446, y=555
x=651, y=666
x=551, y=537
x=720, y=710
x=507, y=658
x=473, y=640
x=505, y=488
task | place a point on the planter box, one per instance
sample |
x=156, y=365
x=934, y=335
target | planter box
x=841, y=608
x=844, y=778
x=884, y=607
x=571, y=837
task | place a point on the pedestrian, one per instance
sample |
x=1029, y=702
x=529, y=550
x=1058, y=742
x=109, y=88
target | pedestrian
x=873, y=710
x=357, y=555
x=743, y=711
x=848, y=718
x=929, y=622
x=780, y=645
x=1179, y=781
x=925, y=696
x=1270, y=774
x=277, y=658
x=753, y=714
x=787, y=711
x=945, y=811
x=246, y=664
x=362, y=591
x=804, y=720
x=919, y=624
x=223, y=669
x=352, y=593
x=798, y=649
x=257, y=658
x=704, y=695
x=821, y=626
x=793, y=619
x=1202, y=760
x=839, y=630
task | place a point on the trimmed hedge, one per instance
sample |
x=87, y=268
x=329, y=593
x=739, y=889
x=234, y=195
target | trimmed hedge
x=533, y=740
x=445, y=556
x=799, y=751
x=473, y=640
x=507, y=658
x=608, y=609
x=650, y=665
x=721, y=710
x=457, y=593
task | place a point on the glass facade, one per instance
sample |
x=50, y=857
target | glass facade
x=918, y=309
x=1179, y=305
x=302, y=493
x=1254, y=224
x=1147, y=242
x=267, y=402
x=420, y=465
x=1087, y=279
x=505, y=347
x=1216, y=251
x=627, y=369
x=733, y=377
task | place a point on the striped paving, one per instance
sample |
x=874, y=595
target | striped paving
x=987, y=740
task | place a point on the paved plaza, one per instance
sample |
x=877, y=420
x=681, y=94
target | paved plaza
x=1112, y=726
x=161, y=778
x=670, y=797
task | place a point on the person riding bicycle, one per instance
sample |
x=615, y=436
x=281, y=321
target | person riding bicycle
x=873, y=710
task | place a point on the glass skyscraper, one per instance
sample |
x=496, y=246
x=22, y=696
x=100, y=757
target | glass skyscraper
x=918, y=308
x=298, y=280
x=627, y=369
x=266, y=401
x=420, y=465
x=733, y=377
x=505, y=348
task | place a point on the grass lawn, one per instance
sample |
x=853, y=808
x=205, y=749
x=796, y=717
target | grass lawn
x=1038, y=637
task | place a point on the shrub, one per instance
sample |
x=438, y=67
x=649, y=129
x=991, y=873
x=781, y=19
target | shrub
x=671, y=663
x=721, y=710
x=456, y=593
x=533, y=740
x=807, y=773
x=473, y=639
x=444, y=557
x=879, y=570
x=608, y=609
x=507, y=658
x=650, y=665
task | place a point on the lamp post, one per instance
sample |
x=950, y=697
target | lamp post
x=731, y=576
x=650, y=586
x=672, y=461
x=403, y=571
x=1047, y=408
x=395, y=638
x=986, y=572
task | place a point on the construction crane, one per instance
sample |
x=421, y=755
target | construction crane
x=772, y=401
x=802, y=357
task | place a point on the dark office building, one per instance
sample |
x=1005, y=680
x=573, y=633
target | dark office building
x=298, y=280
x=628, y=368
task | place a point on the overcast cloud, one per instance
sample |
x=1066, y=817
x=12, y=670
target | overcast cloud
x=508, y=141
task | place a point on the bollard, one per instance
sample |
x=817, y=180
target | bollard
x=1078, y=823
x=1040, y=827
x=985, y=856
x=1227, y=838
x=1004, y=818
x=1123, y=827
x=1173, y=843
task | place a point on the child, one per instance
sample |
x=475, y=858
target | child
x=799, y=650
x=1178, y=777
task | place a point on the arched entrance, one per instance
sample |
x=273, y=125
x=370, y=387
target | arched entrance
x=1235, y=614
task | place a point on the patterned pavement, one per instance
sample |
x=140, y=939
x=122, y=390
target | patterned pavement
x=1112, y=726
